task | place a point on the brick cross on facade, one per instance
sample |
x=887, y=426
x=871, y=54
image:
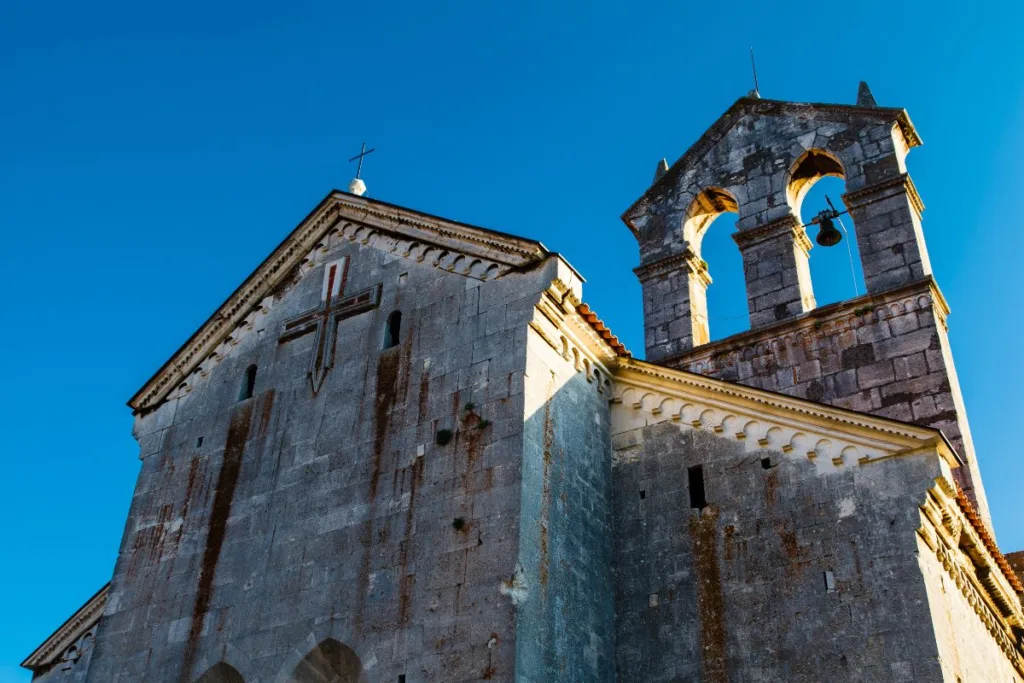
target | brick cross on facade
x=323, y=320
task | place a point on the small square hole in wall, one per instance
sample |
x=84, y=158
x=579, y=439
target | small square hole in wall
x=643, y=494
x=766, y=463
x=830, y=582
x=401, y=678
x=652, y=600
x=199, y=442
x=402, y=279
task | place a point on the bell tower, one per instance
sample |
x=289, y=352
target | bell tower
x=886, y=352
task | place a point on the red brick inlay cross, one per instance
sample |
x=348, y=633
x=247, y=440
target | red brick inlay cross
x=323, y=320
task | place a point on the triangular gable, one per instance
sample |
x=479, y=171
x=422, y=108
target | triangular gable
x=449, y=245
x=760, y=107
x=647, y=394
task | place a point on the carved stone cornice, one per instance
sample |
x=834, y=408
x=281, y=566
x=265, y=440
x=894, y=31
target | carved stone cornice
x=70, y=631
x=761, y=107
x=922, y=295
x=884, y=189
x=693, y=264
x=448, y=245
x=832, y=438
x=963, y=546
x=781, y=227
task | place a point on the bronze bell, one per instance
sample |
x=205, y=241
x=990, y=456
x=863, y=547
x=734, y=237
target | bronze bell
x=828, y=236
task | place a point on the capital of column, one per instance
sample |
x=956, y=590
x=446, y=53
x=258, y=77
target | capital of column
x=785, y=226
x=884, y=189
x=694, y=265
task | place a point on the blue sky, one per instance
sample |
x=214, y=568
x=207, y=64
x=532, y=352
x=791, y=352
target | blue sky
x=153, y=154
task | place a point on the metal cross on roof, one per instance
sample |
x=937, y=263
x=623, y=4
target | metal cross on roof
x=362, y=153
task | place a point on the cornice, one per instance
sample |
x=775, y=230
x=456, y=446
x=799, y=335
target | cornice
x=785, y=226
x=70, y=631
x=680, y=383
x=763, y=107
x=447, y=245
x=953, y=531
x=575, y=332
x=901, y=184
x=868, y=309
x=693, y=264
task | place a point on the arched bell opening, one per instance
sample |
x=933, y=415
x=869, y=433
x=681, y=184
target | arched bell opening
x=718, y=294
x=816, y=186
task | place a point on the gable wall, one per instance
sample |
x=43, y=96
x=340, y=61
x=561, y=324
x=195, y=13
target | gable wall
x=740, y=588
x=301, y=518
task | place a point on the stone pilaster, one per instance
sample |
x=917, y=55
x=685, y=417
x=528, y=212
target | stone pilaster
x=675, y=304
x=775, y=265
x=887, y=218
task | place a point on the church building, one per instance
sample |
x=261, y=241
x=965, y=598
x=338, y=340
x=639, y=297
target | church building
x=406, y=450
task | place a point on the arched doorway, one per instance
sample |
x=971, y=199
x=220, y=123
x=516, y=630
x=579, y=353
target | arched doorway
x=221, y=672
x=329, y=662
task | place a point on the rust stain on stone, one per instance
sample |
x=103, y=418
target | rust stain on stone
x=710, y=601
x=545, y=509
x=730, y=531
x=388, y=370
x=771, y=487
x=223, y=496
x=391, y=388
x=424, y=396
x=363, y=578
x=408, y=580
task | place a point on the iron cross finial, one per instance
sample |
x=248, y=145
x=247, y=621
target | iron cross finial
x=362, y=153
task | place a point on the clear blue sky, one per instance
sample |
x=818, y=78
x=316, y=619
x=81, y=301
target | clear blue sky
x=153, y=154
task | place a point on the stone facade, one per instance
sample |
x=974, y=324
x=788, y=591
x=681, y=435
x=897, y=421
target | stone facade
x=404, y=450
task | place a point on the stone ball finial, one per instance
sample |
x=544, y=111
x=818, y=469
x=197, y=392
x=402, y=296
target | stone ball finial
x=357, y=187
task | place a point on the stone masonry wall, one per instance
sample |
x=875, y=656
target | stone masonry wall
x=738, y=592
x=886, y=354
x=566, y=621
x=262, y=527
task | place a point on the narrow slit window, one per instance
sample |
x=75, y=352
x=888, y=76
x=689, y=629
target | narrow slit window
x=643, y=494
x=393, y=330
x=695, y=475
x=248, y=383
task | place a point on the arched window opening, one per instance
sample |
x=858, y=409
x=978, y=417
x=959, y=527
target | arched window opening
x=816, y=179
x=393, y=330
x=719, y=309
x=248, y=383
x=221, y=672
x=329, y=661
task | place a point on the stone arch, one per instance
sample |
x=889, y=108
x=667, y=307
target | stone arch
x=329, y=662
x=708, y=205
x=221, y=672
x=813, y=165
x=705, y=208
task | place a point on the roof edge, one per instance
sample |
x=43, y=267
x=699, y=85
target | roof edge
x=724, y=123
x=68, y=632
x=801, y=406
x=337, y=206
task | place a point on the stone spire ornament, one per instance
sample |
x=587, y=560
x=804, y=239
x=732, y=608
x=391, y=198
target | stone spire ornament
x=864, y=96
x=661, y=170
x=357, y=186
